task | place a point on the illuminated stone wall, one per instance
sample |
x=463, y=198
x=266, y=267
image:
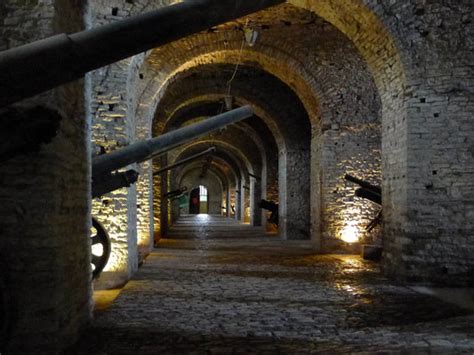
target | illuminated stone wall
x=113, y=127
x=118, y=85
x=388, y=65
x=44, y=201
x=418, y=54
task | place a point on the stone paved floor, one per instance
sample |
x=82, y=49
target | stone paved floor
x=253, y=295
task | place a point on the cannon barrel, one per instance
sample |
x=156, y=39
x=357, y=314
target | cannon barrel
x=369, y=195
x=268, y=205
x=112, y=182
x=273, y=208
x=184, y=161
x=364, y=184
x=39, y=66
x=175, y=193
x=147, y=149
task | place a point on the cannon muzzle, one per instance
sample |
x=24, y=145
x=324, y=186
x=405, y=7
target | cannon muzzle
x=39, y=66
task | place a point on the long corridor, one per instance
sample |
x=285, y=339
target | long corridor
x=237, y=291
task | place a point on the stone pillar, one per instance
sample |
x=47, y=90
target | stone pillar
x=255, y=197
x=228, y=202
x=238, y=201
x=45, y=202
x=145, y=226
x=243, y=200
x=294, y=207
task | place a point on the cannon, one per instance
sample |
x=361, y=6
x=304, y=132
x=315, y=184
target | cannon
x=370, y=192
x=273, y=208
x=171, y=195
x=105, y=177
x=42, y=65
x=367, y=190
x=186, y=160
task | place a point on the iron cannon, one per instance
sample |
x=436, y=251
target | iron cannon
x=171, y=195
x=370, y=192
x=366, y=190
x=42, y=65
x=106, y=178
x=272, y=207
x=186, y=160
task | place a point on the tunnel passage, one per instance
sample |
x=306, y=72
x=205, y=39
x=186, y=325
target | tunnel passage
x=386, y=91
x=292, y=149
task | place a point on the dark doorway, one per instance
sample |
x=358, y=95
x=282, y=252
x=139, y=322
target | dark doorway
x=194, y=201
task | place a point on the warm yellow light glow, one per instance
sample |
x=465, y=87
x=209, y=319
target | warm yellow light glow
x=97, y=249
x=350, y=234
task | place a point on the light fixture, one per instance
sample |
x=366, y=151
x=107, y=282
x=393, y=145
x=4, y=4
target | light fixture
x=228, y=100
x=251, y=35
x=350, y=234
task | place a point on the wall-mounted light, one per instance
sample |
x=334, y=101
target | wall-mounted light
x=350, y=234
x=228, y=100
x=251, y=36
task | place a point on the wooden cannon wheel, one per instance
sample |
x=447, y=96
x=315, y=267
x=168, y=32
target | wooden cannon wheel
x=100, y=248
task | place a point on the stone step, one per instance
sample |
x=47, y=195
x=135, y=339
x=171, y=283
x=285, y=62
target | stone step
x=212, y=226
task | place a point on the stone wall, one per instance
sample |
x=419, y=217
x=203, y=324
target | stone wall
x=113, y=127
x=418, y=54
x=404, y=62
x=44, y=200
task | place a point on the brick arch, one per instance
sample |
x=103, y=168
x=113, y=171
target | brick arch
x=237, y=157
x=259, y=111
x=221, y=162
x=179, y=118
x=213, y=182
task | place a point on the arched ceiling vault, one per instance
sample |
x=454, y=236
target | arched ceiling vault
x=297, y=47
x=213, y=170
x=279, y=101
x=265, y=124
x=225, y=161
x=187, y=114
x=234, y=153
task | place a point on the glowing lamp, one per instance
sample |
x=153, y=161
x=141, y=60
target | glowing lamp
x=350, y=234
x=229, y=100
x=251, y=36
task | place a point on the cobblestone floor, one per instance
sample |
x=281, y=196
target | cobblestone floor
x=266, y=296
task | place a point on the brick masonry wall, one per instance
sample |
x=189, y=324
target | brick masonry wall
x=114, y=104
x=256, y=87
x=44, y=201
x=417, y=71
x=332, y=81
x=113, y=128
x=418, y=54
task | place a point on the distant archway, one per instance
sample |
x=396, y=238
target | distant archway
x=199, y=200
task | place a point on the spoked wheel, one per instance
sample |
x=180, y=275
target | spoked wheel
x=100, y=248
